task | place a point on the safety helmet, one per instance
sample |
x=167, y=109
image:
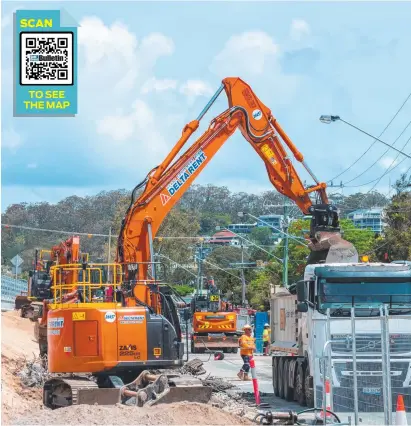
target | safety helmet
x=266, y=325
x=247, y=326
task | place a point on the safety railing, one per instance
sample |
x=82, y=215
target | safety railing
x=363, y=364
x=90, y=281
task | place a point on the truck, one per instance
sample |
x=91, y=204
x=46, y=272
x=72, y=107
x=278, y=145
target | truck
x=212, y=327
x=319, y=308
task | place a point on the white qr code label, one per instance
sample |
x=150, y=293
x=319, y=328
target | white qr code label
x=46, y=58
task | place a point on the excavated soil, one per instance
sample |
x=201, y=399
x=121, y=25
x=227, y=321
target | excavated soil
x=17, y=342
x=22, y=405
x=172, y=414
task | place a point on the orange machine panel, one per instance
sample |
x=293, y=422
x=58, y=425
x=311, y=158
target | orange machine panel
x=215, y=322
x=85, y=338
x=95, y=337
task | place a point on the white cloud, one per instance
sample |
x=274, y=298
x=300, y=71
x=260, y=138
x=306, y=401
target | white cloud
x=155, y=85
x=11, y=139
x=387, y=162
x=196, y=88
x=299, y=29
x=246, y=52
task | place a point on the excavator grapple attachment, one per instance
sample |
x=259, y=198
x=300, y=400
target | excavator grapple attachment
x=330, y=247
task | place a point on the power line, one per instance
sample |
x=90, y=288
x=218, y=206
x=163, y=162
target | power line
x=221, y=269
x=376, y=161
x=375, y=140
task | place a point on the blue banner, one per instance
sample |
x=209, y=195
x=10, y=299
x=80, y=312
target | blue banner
x=45, y=64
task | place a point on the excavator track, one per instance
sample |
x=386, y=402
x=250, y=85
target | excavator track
x=62, y=392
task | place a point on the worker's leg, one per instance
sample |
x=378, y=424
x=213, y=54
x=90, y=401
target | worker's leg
x=245, y=368
x=265, y=348
x=246, y=376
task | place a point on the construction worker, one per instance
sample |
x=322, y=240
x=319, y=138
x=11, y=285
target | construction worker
x=266, y=338
x=247, y=347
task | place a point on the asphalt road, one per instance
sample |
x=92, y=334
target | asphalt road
x=231, y=364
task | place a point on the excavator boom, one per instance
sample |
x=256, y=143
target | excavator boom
x=166, y=184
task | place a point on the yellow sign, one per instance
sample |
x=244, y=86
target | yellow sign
x=157, y=351
x=79, y=316
x=214, y=298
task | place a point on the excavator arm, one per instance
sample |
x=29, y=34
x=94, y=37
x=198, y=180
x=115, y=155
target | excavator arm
x=167, y=183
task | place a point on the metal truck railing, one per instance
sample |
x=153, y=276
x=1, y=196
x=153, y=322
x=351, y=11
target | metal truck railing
x=365, y=368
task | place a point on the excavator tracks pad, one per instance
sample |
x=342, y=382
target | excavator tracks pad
x=162, y=389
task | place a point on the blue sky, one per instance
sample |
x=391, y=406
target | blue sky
x=146, y=69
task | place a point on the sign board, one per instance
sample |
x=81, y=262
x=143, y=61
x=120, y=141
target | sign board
x=16, y=261
x=243, y=311
x=13, y=269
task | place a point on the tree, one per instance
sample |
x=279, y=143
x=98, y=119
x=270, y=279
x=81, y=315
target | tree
x=396, y=241
x=261, y=235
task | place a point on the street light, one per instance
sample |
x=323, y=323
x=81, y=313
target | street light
x=327, y=119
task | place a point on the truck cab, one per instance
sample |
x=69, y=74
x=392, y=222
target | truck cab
x=328, y=300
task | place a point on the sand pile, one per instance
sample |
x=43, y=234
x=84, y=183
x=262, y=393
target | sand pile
x=168, y=414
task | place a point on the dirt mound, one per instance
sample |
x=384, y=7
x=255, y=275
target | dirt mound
x=167, y=414
x=17, y=341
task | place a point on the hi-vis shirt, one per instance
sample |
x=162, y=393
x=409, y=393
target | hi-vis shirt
x=246, y=344
x=266, y=335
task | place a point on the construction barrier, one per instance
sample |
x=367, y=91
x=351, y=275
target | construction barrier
x=10, y=288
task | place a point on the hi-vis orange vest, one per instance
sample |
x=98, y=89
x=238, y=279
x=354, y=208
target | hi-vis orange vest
x=246, y=344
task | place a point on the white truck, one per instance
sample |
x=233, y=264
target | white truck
x=301, y=323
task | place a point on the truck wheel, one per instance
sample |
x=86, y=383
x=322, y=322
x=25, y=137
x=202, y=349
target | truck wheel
x=309, y=391
x=280, y=378
x=235, y=350
x=288, y=391
x=275, y=376
x=299, y=385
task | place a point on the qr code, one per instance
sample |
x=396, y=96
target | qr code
x=46, y=58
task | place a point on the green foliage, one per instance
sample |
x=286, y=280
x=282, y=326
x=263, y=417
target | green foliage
x=262, y=236
x=183, y=290
x=397, y=235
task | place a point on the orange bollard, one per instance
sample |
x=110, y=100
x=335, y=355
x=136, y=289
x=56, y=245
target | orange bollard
x=255, y=382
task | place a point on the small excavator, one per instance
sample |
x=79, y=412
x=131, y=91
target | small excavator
x=114, y=350
x=39, y=281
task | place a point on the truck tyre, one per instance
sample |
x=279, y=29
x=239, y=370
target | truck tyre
x=235, y=350
x=300, y=385
x=275, y=376
x=280, y=378
x=288, y=391
x=309, y=391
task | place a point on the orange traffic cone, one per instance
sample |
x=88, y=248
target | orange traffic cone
x=327, y=397
x=400, y=415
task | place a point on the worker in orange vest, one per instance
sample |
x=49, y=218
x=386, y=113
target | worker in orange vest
x=247, y=348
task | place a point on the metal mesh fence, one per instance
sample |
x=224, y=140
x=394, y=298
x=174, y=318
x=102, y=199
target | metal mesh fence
x=367, y=365
x=10, y=288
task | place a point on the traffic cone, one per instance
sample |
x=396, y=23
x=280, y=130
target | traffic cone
x=400, y=415
x=327, y=397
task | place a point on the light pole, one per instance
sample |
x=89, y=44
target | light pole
x=327, y=119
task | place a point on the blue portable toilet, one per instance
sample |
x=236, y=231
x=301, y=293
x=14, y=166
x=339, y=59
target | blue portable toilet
x=260, y=319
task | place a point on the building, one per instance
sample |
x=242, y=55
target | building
x=368, y=219
x=225, y=238
x=241, y=228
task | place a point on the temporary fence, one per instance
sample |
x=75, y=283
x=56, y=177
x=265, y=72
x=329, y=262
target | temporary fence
x=364, y=365
x=10, y=288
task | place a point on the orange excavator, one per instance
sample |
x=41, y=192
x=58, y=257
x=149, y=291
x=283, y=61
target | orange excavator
x=121, y=341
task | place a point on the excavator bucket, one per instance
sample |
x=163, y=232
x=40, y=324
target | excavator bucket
x=330, y=247
x=21, y=301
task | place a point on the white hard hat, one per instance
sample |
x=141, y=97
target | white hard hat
x=246, y=326
x=266, y=325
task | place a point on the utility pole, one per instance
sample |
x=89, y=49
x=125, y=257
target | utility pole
x=199, y=273
x=109, y=255
x=242, y=277
x=285, y=252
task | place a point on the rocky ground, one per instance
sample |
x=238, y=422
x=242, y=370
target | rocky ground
x=22, y=378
